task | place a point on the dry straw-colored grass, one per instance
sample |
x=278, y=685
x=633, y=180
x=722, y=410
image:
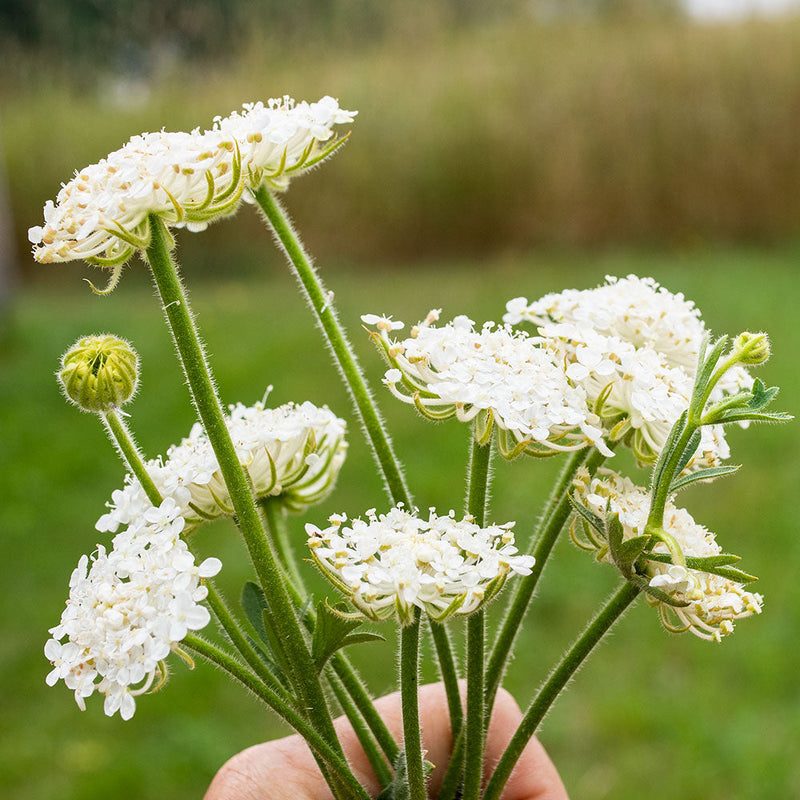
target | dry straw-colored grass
x=494, y=138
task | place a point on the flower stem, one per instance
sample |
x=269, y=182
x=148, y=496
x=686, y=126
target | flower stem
x=559, y=677
x=449, y=675
x=187, y=341
x=409, y=684
x=121, y=436
x=321, y=303
x=322, y=748
x=366, y=739
x=477, y=496
x=549, y=528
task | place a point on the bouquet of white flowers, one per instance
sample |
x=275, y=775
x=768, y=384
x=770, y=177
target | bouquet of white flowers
x=575, y=376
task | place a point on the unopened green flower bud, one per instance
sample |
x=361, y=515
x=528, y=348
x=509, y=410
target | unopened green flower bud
x=98, y=373
x=751, y=349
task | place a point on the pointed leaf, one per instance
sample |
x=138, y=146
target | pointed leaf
x=332, y=632
x=703, y=475
x=691, y=449
x=631, y=549
x=589, y=516
x=254, y=604
x=656, y=593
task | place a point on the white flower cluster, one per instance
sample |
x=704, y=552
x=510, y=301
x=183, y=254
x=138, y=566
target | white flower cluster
x=455, y=370
x=392, y=563
x=714, y=602
x=293, y=451
x=636, y=345
x=187, y=179
x=127, y=609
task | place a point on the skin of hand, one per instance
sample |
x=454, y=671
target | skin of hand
x=284, y=769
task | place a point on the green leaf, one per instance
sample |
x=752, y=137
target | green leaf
x=589, y=516
x=690, y=450
x=703, y=475
x=656, y=593
x=669, y=446
x=761, y=396
x=631, y=549
x=745, y=415
x=257, y=612
x=715, y=565
x=333, y=631
x=254, y=604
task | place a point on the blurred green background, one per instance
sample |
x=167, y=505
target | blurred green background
x=500, y=150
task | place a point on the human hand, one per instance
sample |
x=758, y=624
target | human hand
x=285, y=769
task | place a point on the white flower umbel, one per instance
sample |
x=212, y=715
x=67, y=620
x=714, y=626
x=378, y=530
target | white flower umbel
x=391, y=563
x=127, y=609
x=101, y=215
x=293, y=451
x=506, y=376
x=634, y=346
x=283, y=138
x=714, y=601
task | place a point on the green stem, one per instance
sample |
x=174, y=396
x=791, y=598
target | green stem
x=477, y=496
x=121, y=436
x=352, y=682
x=332, y=758
x=276, y=528
x=559, y=677
x=449, y=675
x=176, y=306
x=362, y=731
x=409, y=684
x=321, y=302
x=544, y=539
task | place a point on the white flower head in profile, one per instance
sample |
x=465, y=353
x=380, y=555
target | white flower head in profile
x=495, y=376
x=633, y=347
x=711, y=601
x=102, y=214
x=390, y=564
x=128, y=608
x=293, y=452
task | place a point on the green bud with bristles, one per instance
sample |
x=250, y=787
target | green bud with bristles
x=751, y=349
x=98, y=373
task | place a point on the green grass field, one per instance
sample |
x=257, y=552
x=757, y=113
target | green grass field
x=673, y=714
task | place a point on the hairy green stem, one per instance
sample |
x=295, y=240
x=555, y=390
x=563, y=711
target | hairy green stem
x=545, y=537
x=333, y=759
x=198, y=374
x=321, y=302
x=370, y=746
x=449, y=675
x=409, y=685
x=119, y=433
x=559, y=677
x=477, y=495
